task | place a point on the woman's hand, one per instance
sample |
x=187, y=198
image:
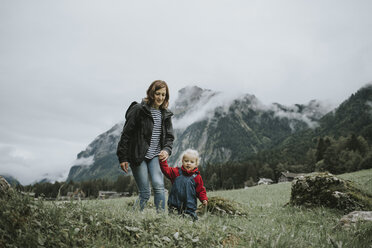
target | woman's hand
x=205, y=202
x=124, y=166
x=163, y=155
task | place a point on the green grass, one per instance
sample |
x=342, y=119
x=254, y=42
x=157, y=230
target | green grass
x=362, y=179
x=269, y=222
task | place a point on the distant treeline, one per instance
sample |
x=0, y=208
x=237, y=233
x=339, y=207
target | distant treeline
x=335, y=155
x=90, y=188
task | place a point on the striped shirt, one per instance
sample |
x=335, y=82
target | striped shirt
x=154, y=148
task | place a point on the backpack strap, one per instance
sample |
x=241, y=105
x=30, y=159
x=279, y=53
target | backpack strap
x=130, y=106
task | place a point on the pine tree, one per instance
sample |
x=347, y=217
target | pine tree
x=320, y=149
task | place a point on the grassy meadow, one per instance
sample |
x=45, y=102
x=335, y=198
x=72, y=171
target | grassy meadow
x=268, y=222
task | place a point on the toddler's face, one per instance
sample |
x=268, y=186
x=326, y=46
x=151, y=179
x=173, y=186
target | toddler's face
x=189, y=162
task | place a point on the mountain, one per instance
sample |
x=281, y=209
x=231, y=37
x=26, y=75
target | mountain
x=222, y=128
x=11, y=180
x=99, y=158
x=353, y=116
x=232, y=130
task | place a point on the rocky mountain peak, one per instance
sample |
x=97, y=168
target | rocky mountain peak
x=189, y=98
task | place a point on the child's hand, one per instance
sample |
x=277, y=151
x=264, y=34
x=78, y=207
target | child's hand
x=205, y=202
x=163, y=155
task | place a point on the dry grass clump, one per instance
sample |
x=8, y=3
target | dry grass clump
x=221, y=206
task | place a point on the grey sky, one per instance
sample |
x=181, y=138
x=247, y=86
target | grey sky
x=68, y=69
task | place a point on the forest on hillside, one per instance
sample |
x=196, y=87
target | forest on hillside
x=335, y=155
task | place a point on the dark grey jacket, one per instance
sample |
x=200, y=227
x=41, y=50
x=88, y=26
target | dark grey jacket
x=136, y=135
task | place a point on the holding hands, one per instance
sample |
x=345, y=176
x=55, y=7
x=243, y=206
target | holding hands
x=163, y=155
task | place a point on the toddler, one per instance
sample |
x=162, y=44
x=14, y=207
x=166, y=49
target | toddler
x=187, y=184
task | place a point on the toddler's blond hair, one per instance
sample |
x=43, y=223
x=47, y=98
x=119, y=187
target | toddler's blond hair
x=193, y=153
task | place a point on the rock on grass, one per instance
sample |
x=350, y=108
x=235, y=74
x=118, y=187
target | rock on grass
x=352, y=218
x=325, y=189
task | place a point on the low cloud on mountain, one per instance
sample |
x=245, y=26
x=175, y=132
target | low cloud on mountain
x=86, y=162
x=206, y=102
x=202, y=108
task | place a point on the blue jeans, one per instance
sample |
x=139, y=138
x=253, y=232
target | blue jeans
x=141, y=176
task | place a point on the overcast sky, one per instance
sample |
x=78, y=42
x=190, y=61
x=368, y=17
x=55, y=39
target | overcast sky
x=69, y=69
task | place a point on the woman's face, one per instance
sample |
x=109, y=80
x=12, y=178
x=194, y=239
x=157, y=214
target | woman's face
x=159, y=97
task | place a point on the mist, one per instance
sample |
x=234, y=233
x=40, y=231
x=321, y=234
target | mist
x=69, y=69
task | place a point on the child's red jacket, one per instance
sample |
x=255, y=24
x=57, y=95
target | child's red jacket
x=172, y=173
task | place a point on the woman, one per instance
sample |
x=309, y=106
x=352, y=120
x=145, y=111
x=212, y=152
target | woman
x=147, y=137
